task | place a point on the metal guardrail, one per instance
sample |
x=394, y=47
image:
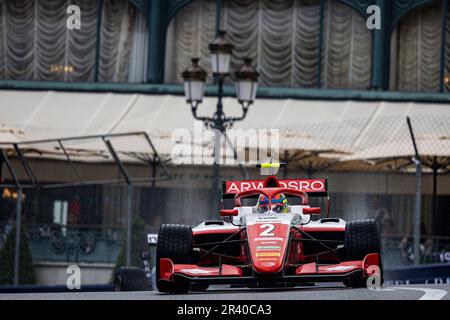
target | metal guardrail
x=429, y=274
x=58, y=288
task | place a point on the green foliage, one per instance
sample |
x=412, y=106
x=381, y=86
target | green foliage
x=137, y=245
x=27, y=273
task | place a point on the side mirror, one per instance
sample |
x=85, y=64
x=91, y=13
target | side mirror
x=229, y=213
x=312, y=210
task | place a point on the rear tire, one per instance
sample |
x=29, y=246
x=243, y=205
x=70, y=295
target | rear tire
x=362, y=237
x=174, y=243
x=130, y=279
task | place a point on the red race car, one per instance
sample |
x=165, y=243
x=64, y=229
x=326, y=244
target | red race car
x=267, y=238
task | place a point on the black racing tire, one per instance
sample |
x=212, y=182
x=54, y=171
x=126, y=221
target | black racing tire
x=130, y=279
x=362, y=237
x=174, y=243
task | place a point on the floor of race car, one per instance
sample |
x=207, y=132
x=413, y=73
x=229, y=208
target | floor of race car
x=318, y=292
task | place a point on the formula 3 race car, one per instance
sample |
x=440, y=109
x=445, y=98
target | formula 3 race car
x=267, y=238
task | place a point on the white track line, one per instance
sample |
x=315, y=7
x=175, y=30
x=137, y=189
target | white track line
x=429, y=294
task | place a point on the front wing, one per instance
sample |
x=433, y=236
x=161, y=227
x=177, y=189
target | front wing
x=229, y=274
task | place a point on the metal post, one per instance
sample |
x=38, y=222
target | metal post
x=286, y=160
x=97, y=44
x=129, y=209
x=417, y=214
x=219, y=128
x=154, y=165
x=435, y=168
x=417, y=211
x=216, y=170
x=241, y=167
x=26, y=165
x=380, y=48
x=309, y=170
x=155, y=48
x=18, y=234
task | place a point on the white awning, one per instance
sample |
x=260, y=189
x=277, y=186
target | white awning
x=328, y=126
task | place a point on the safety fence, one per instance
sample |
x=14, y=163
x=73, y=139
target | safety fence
x=71, y=202
x=87, y=226
x=100, y=226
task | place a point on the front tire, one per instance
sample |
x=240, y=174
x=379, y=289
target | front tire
x=362, y=237
x=174, y=243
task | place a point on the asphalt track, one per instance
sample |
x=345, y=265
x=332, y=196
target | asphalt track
x=322, y=292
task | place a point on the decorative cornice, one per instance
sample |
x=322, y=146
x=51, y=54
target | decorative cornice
x=359, y=5
x=173, y=6
x=400, y=7
x=229, y=91
x=141, y=5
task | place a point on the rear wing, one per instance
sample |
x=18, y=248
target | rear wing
x=313, y=187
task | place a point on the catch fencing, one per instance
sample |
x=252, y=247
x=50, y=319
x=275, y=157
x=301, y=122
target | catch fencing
x=73, y=201
x=111, y=197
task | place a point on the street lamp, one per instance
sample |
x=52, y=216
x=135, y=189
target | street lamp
x=194, y=83
x=221, y=52
x=247, y=83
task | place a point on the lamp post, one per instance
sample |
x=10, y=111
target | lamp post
x=194, y=88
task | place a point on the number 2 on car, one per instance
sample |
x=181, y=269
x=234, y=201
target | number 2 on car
x=267, y=232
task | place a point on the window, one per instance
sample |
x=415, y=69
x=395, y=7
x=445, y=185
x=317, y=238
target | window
x=282, y=37
x=35, y=43
x=416, y=57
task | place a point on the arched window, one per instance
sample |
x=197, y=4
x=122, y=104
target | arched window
x=283, y=38
x=347, y=54
x=36, y=44
x=416, y=50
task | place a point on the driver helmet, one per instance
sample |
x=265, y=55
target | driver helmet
x=279, y=204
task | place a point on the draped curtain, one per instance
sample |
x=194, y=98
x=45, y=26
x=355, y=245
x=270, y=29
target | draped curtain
x=282, y=37
x=192, y=29
x=115, y=44
x=347, y=54
x=35, y=43
x=419, y=49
